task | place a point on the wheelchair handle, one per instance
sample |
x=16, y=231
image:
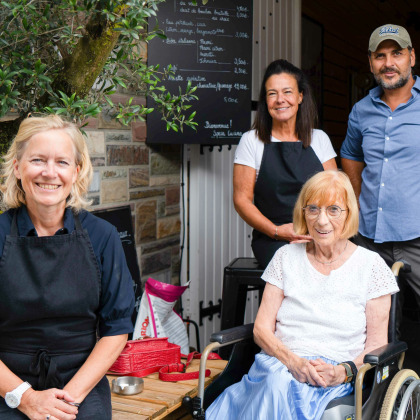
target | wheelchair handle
x=402, y=265
x=201, y=377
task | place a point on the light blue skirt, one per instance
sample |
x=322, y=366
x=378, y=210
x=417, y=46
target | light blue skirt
x=270, y=392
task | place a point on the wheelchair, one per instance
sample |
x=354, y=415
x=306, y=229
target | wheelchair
x=383, y=389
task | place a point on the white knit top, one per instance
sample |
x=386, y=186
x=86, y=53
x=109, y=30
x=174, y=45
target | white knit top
x=325, y=315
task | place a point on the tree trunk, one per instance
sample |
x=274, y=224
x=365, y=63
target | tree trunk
x=83, y=67
x=85, y=64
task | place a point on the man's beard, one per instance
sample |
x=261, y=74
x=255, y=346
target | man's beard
x=402, y=80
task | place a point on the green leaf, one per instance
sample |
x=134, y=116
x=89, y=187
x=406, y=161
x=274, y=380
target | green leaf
x=119, y=81
x=109, y=102
x=44, y=78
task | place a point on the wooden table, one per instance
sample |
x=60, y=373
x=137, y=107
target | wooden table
x=161, y=400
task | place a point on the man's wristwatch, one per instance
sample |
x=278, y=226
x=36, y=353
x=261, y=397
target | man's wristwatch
x=13, y=398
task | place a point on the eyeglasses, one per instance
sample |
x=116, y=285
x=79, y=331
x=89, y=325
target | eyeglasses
x=313, y=212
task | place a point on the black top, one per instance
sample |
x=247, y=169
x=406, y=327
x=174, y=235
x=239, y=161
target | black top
x=117, y=296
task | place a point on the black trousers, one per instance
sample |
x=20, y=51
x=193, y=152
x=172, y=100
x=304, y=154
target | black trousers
x=96, y=405
x=408, y=326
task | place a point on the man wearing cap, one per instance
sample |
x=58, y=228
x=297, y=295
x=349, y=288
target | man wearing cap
x=381, y=153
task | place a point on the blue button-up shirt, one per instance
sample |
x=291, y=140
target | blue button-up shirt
x=117, y=293
x=389, y=143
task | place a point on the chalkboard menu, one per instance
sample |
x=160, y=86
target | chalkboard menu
x=211, y=46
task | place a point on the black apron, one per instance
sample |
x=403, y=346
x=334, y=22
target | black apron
x=50, y=294
x=285, y=167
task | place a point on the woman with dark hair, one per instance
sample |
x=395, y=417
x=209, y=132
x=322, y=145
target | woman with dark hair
x=276, y=157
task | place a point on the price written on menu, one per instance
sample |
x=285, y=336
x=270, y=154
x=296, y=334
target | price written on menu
x=211, y=46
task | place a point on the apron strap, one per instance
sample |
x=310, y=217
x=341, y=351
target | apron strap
x=77, y=223
x=13, y=228
x=45, y=368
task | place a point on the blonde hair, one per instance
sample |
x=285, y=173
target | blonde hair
x=13, y=194
x=326, y=188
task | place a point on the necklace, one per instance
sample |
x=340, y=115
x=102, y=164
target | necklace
x=332, y=261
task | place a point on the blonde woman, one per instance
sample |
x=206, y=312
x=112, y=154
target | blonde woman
x=64, y=281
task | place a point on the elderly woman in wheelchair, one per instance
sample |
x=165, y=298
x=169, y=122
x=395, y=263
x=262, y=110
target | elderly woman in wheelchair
x=325, y=306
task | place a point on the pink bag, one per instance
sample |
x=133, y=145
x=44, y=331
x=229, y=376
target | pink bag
x=156, y=317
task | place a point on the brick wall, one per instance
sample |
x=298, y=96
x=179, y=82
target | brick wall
x=127, y=171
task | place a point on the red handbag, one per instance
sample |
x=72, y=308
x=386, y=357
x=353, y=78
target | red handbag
x=149, y=355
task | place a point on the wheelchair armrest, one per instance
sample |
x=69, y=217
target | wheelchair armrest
x=242, y=332
x=382, y=354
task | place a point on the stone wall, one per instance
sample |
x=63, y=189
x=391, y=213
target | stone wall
x=127, y=171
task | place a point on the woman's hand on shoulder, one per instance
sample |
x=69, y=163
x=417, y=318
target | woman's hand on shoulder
x=303, y=371
x=286, y=233
x=38, y=404
x=332, y=375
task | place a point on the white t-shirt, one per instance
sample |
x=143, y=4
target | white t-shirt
x=250, y=148
x=325, y=315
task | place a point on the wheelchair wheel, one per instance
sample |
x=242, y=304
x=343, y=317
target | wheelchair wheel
x=410, y=403
x=395, y=393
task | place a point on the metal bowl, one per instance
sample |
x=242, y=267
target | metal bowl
x=127, y=385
